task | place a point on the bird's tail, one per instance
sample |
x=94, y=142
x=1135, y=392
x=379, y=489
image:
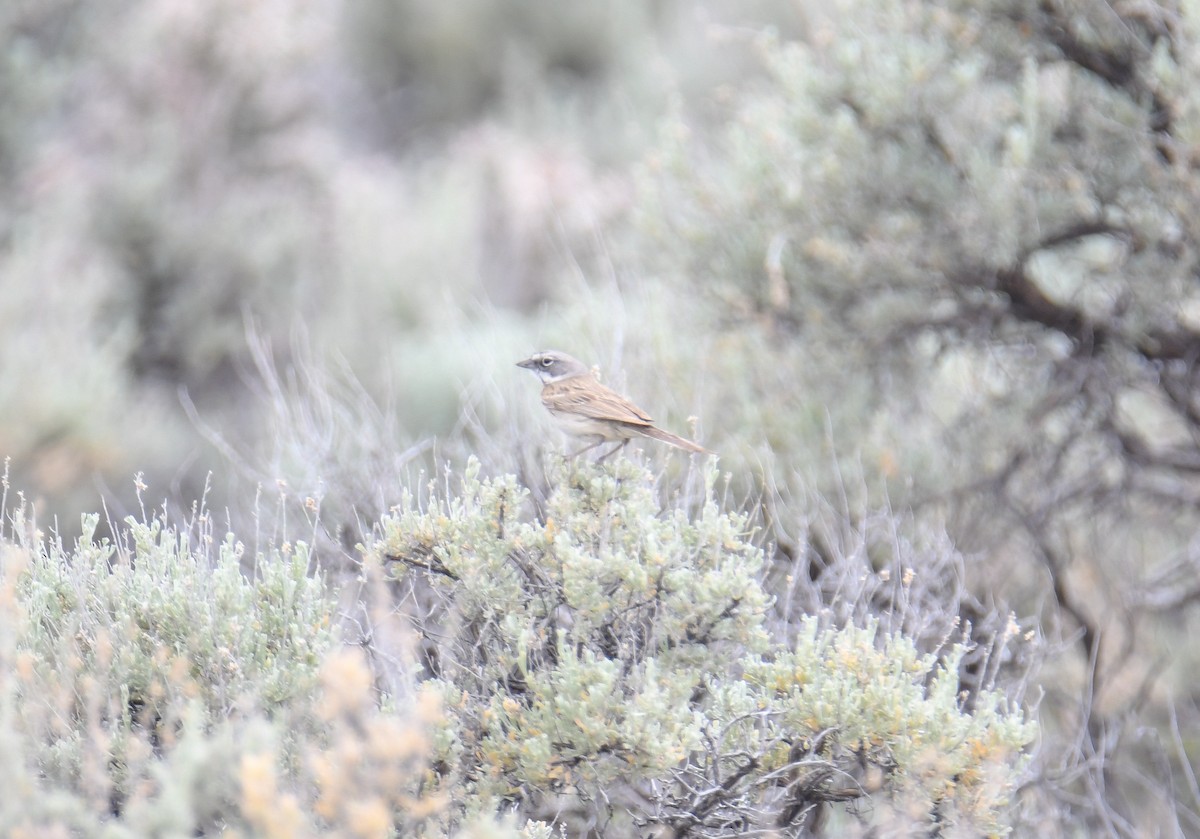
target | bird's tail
x=674, y=439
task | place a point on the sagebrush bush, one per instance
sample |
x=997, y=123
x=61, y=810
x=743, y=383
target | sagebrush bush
x=609, y=661
x=126, y=649
x=601, y=658
x=153, y=685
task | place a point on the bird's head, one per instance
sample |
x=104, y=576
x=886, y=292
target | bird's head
x=551, y=365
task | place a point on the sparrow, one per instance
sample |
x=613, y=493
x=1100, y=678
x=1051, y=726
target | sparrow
x=586, y=409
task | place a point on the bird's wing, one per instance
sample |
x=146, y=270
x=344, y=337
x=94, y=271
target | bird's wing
x=586, y=396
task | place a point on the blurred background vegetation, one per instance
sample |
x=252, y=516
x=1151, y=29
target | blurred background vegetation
x=934, y=262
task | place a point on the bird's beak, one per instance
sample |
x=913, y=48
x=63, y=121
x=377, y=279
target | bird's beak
x=528, y=364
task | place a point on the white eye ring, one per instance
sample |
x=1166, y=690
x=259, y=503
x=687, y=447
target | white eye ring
x=546, y=362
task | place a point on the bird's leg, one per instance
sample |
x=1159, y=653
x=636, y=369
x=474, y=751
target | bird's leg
x=587, y=448
x=613, y=450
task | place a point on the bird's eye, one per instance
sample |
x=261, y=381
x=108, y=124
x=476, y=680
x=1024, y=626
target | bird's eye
x=546, y=362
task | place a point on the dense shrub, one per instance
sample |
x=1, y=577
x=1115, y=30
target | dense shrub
x=151, y=687
x=609, y=663
x=599, y=660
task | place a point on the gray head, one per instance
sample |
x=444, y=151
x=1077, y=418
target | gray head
x=551, y=365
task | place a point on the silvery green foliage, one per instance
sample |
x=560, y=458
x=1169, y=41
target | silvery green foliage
x=609, y=660
x=154, y=685
x=164, y=598
x=152, y=638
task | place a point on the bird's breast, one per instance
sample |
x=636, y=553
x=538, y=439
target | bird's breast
x=578, y=425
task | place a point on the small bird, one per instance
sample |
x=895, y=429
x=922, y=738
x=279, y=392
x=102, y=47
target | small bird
x=586, y=409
